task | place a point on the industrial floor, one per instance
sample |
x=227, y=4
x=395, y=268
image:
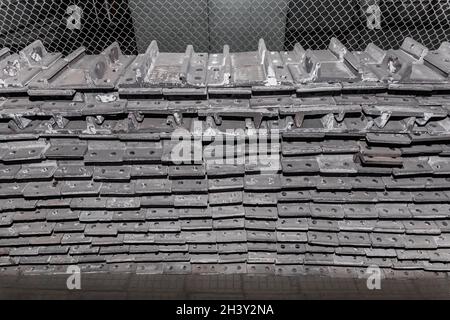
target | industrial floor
x=196, y=287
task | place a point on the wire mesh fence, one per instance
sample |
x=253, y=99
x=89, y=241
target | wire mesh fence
x=64, y=25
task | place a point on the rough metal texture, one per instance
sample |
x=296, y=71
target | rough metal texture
x=353, y=180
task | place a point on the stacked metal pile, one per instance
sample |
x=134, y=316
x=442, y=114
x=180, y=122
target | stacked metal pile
x=335, y=161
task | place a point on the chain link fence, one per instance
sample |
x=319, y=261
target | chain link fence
x=64, y=25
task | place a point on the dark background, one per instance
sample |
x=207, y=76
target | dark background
x=208, y=24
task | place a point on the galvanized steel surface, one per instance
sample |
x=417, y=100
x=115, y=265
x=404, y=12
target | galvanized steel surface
x=357, y=175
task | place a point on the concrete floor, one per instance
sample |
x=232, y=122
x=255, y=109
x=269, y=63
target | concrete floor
x=132, y=286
